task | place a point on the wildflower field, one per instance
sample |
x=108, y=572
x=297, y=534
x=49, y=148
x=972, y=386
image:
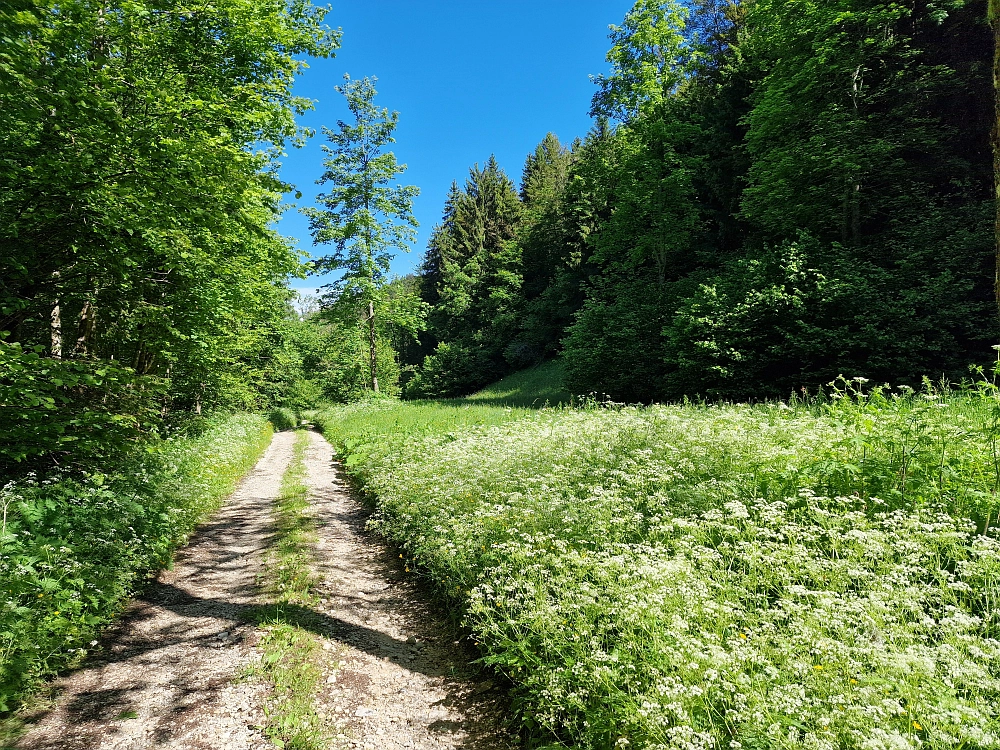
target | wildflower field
x=819, y=574
x=73, y=550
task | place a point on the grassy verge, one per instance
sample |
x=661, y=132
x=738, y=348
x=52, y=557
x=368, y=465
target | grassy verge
x=821, y=575
x=73, y=551
x=291, y=653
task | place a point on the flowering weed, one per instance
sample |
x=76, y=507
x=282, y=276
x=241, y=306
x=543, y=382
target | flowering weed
x=818, y=574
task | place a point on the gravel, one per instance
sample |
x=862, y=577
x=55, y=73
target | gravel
x=170, y=674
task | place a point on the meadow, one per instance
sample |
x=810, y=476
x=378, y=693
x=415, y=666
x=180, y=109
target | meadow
x=74, y=549
x=818, y=573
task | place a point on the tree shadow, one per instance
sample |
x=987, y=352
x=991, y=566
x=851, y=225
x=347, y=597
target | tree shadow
x=101, y=709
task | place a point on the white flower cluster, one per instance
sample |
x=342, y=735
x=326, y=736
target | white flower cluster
x=726, y=577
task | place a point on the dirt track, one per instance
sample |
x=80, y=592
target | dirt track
x=170, y=674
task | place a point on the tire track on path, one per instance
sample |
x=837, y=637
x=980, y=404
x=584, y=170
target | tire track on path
x=401, y=681
x=166, y=675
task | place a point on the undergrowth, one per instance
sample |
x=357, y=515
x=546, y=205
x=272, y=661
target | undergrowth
x=290, y=660
x=812, y=574
x=74, y=549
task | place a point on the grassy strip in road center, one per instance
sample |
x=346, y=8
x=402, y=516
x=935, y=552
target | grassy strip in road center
x=291, y=652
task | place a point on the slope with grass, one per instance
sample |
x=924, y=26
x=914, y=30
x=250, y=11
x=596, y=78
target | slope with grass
x=533, y=388
x=820, y=575
x=73, y=550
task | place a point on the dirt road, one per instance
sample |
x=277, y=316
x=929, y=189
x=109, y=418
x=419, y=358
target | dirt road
x=172, y=673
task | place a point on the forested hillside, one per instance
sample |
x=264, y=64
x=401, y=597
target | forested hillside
x=772, y=194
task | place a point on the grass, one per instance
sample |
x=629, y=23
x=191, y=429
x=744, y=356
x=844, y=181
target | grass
x=533, y=388
x=786, y=575
x=290, y=660
x=74, y=550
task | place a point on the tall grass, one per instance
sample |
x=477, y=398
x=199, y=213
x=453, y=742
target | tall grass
x=533, y=388
x=72, y=551
x=788, y=575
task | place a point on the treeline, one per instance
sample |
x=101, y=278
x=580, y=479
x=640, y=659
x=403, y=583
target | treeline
x=139, y=271
x=773, y=193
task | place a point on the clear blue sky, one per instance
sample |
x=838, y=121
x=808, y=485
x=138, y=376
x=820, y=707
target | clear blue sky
x=468, y=77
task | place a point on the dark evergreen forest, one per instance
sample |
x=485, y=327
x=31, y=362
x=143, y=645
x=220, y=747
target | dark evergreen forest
x=773, y=194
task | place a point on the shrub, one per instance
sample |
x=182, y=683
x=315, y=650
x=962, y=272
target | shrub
x=454, y=369
x=283, y=419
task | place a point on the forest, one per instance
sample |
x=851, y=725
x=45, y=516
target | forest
x=704, y=396
x=773, y=194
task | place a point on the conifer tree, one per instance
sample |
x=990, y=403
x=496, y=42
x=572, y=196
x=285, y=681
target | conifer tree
x=363, y=216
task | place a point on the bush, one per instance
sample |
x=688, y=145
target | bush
x=454, y=369
x=616, y=345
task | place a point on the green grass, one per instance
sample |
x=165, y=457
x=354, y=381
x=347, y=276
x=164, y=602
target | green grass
x=290, y=659
x=821, y=575
x=533, y=388
x=73, y=551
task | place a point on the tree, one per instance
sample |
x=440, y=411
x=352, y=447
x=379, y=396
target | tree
x=473, y=272
x=137, y=184
x=994, y=17
x=363, y=215
x=650, y=57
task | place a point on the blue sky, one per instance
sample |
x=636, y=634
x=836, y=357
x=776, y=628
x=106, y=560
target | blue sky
x=468, y=77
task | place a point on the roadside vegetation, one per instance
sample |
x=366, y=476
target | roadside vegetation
x=819, y=573
x=73, y=550
x=771, y=193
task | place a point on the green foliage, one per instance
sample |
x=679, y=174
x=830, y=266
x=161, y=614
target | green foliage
x=336, y=359
x=283, y=419
x=77, y=413
x=791, y=191
x=73, y=550
x=453, y=369
x=472, y=276
x=650, y=57
x=363, y=216
x=616, y=348
x=806, y=574
x=137, y=189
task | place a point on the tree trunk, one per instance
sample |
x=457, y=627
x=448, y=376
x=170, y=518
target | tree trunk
x=55, y=330
x=373, y=361
x=995, y=23
x=85, y=329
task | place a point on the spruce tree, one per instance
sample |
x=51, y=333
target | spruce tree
x=363, y=215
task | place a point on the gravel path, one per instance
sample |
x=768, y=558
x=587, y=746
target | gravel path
x=398, y=679
x=169, y=675
x=172, y=660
